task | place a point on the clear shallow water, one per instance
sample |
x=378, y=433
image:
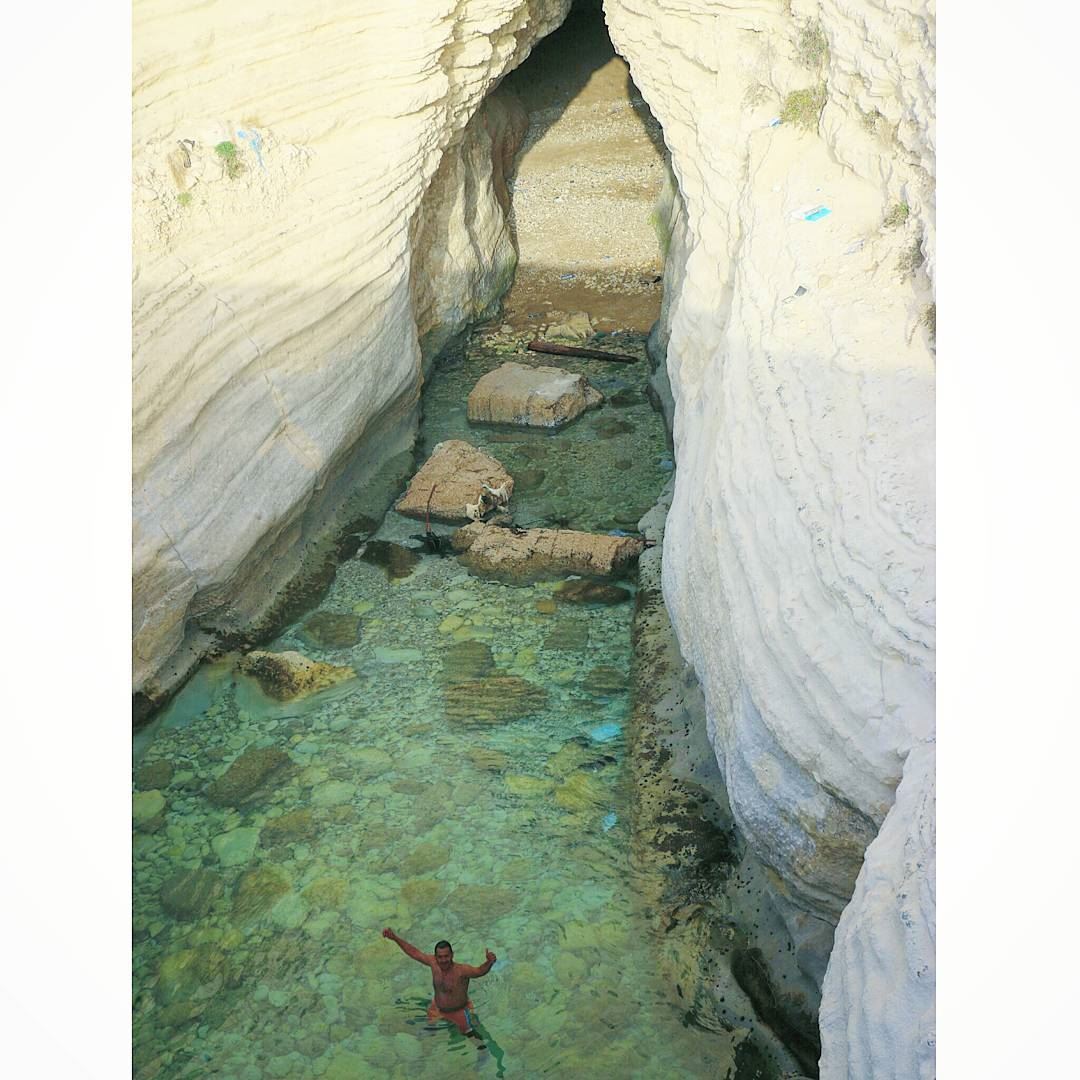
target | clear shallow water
x=399, y=808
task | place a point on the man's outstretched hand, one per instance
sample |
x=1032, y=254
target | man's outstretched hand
x=490, y=956
x=388, y=933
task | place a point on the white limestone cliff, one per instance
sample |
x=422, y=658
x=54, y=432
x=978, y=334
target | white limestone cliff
x=798, y=558
x=316, y=211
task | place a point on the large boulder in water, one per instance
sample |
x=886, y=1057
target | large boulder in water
x=254, y=770
x=533, y=396
x=533, y=554
x=189, y=894
x=288, y=675
x=453, y=477
x=496, y=699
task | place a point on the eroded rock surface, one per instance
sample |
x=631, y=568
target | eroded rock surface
x=535, y=554
x=451, y=479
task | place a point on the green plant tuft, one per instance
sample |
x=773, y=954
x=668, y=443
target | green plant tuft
x=869, y=119
x=228, y=153
x=896, y=216
x=813, y=46
x=929, y=320
x=803, y=107
x=911, y=259
x=184, y=198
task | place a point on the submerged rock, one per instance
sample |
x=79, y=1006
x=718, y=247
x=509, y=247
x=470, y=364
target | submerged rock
x=487, y=902
x=421, y=893
x=254, y=769
x=453, y=477
x=609, y=427
x=288, y=828
x=235, y=847
x=184, y=972
x=327, y=892
x=545, y=397
x=467, y=660
x=332, y=630
x=494, y=700
x=148, y=810
x=490, y=760
x=581, y=791
x=576, y=328
x=533, y=554
x=529, y=479
x=258, y=890
x=527, y=786
x=567, y=636
x=569, y=758
x=289, y=675
x=154, y=774
x=582, y=591
x=424, y=859
x=623, y=399
x=397, y=560
x=370, y=761
x=189, y=894
x=605, y=679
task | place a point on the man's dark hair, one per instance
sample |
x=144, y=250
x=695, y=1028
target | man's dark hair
x=443, y=945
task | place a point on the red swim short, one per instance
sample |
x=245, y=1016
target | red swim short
x=462, y=1018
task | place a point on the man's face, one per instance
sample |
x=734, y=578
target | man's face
x=444, y=957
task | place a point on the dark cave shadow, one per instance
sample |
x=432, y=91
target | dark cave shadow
x=566, y=60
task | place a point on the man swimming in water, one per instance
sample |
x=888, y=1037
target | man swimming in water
x=451, y=983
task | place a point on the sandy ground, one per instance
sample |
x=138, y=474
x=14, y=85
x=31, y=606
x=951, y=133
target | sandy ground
x=585, y=183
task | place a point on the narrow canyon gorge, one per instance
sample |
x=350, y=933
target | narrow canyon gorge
x=345, y=214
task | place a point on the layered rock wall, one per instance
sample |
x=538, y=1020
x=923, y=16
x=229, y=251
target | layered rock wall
x=317, y=209
x=798, y=557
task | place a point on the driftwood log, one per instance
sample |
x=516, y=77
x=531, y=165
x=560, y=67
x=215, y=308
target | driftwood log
x=572, y=350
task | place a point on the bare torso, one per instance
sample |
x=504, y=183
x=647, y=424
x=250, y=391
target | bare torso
x=451, y=987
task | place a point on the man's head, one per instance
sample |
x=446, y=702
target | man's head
x=444, y=955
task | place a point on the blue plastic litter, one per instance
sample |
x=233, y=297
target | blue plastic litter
x=567, y=277
x=775, y=122
x=609, y=821
x=254, y=140
x=816, y=213
x=605, y=732
x=667, y=464
x=618, y=532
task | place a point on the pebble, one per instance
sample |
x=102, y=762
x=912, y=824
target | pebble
x=398, y=656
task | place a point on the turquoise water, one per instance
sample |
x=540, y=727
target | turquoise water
x=467, y=782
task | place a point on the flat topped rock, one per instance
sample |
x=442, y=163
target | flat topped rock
x=533, y=396
x=453, y=477
x=533, y=554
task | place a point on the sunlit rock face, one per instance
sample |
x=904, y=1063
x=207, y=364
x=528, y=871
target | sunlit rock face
x=798, y=557
x=318, y=208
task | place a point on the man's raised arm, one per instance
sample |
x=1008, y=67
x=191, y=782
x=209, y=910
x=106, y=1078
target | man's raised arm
x=409, y=950
x=484, y=968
